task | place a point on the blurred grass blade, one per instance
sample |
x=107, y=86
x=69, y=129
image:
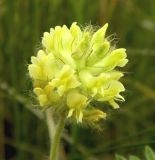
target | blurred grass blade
x=149, y=154
x=133, y=158
x=119, y=157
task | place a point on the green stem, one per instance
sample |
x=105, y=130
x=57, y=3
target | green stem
x=50, y=124
x=56, y=138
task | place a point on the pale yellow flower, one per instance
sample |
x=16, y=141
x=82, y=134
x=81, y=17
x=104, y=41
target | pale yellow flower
x=77, y=67
x=76, y=103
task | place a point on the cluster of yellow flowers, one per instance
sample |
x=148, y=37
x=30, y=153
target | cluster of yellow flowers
x=76, y=67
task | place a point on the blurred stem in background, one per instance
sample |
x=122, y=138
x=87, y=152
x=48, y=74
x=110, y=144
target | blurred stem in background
x=75, y=136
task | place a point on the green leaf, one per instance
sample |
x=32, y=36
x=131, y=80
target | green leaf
x=149, y=154
x=119, y=157
x=133, y=158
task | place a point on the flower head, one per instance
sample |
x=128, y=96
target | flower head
x=77, y=67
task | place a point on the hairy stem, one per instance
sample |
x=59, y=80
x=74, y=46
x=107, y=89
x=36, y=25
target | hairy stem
x=55, y=138
x=50, y=124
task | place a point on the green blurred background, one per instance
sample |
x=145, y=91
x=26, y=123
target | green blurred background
x=23, y=133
